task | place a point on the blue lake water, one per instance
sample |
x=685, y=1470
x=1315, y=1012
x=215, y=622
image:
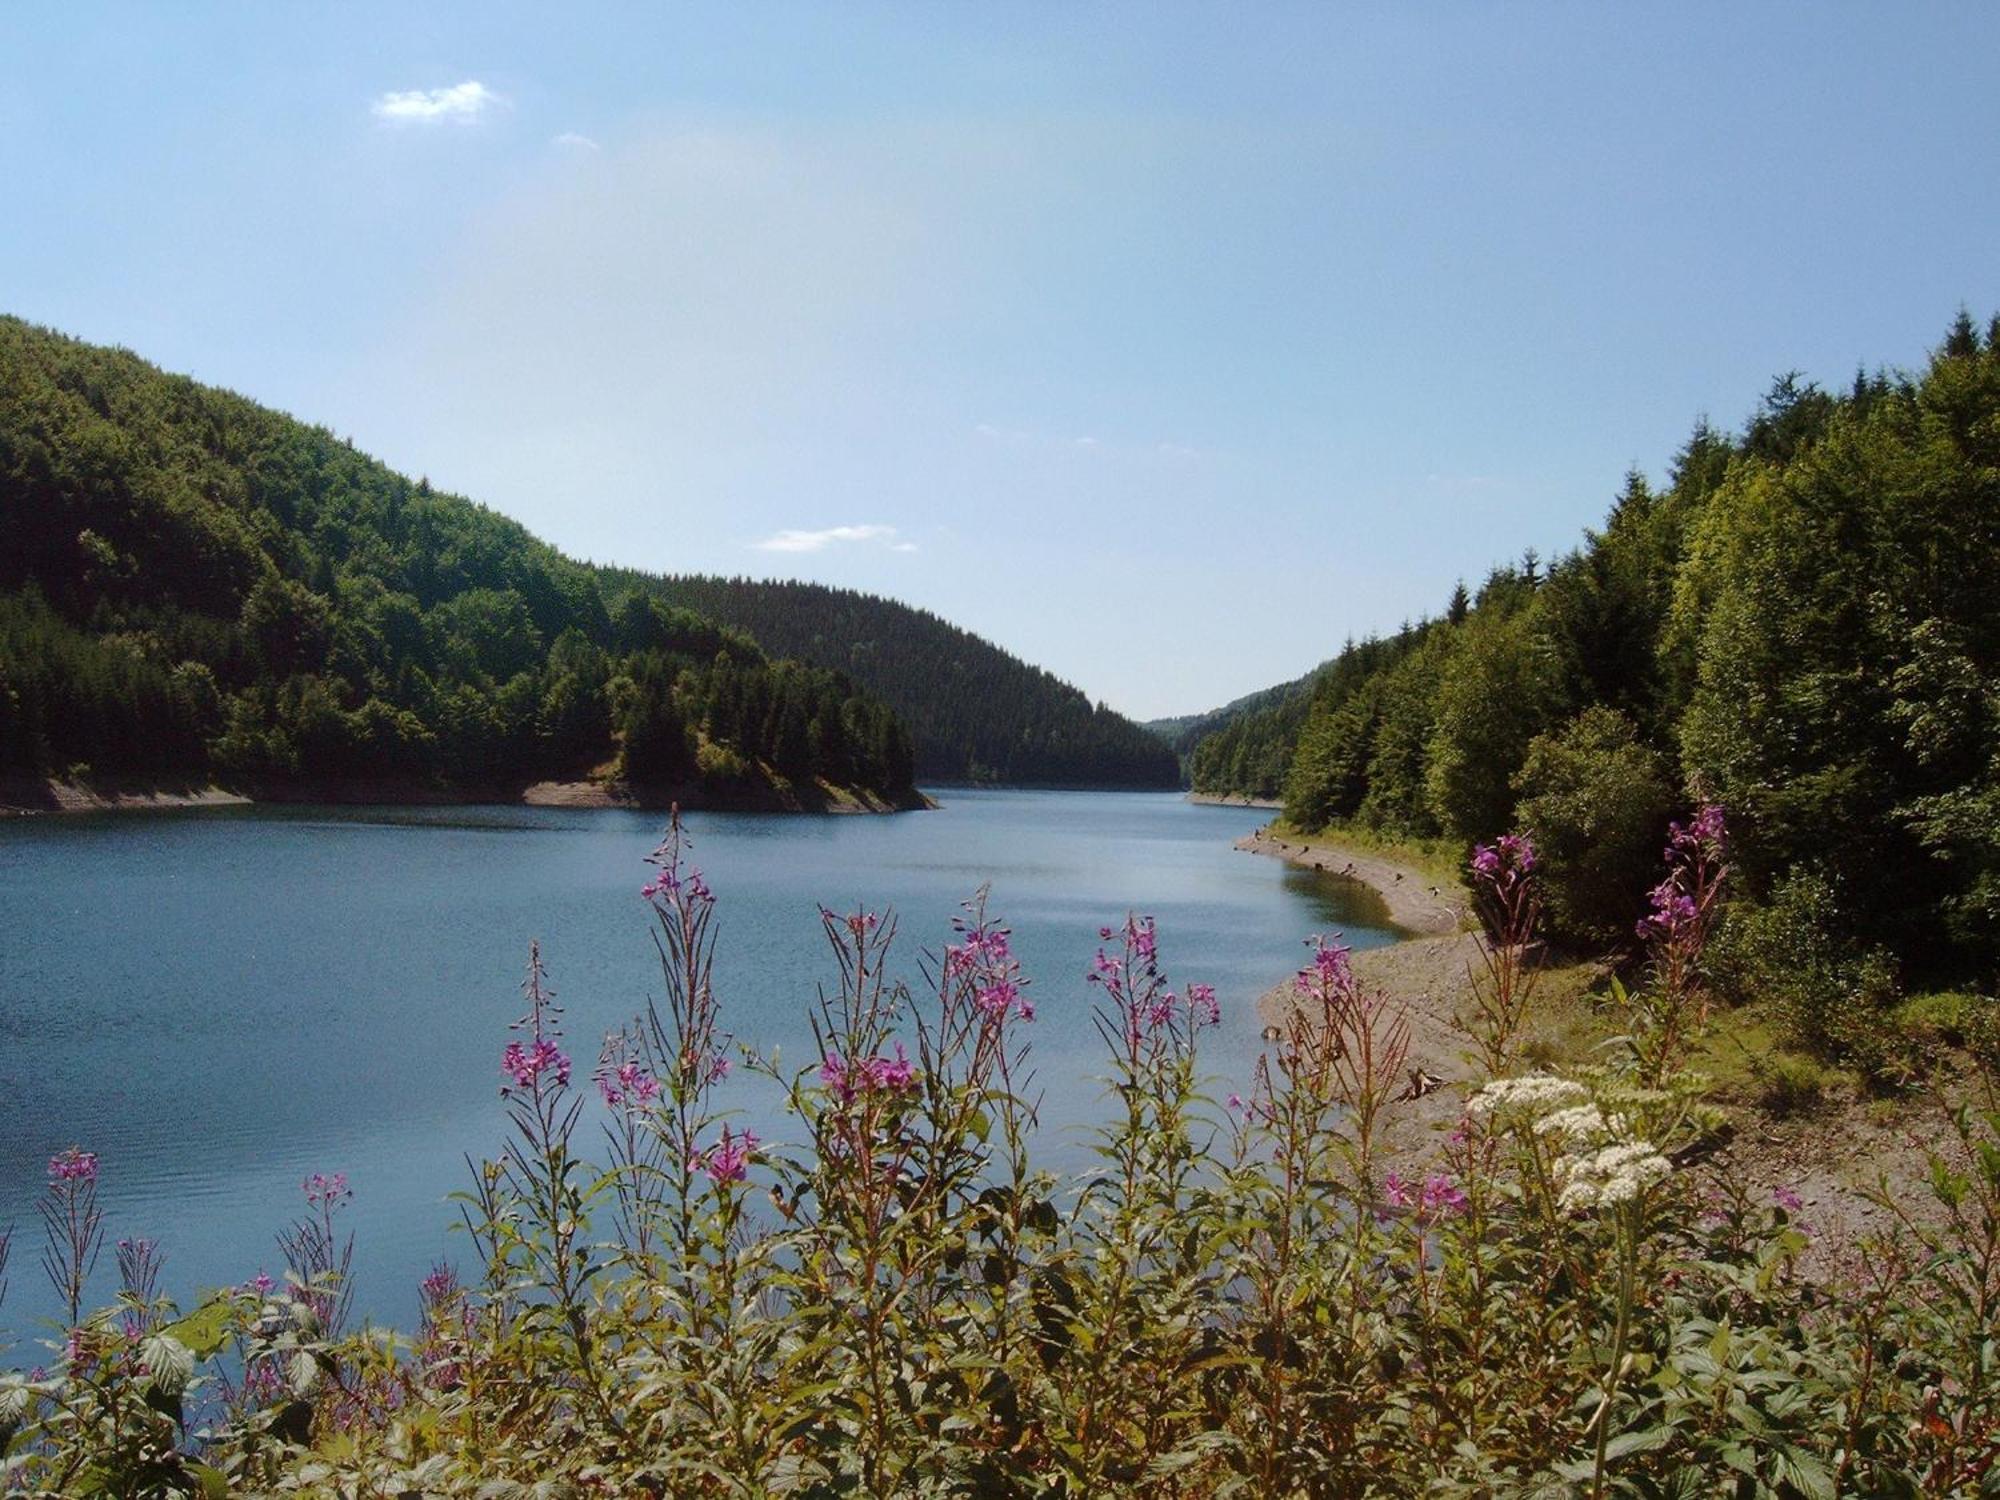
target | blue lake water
x=220, y=1002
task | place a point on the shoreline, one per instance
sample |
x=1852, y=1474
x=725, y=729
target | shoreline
x=28, y=798
x=1234, y=799
x=1833, y=1157
x=1417, y=903
x=1425, y=971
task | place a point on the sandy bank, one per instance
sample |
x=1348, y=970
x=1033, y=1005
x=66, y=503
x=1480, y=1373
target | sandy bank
x=28, y=797
x=18, y=797
x=1233, y=799
x=1416, y=902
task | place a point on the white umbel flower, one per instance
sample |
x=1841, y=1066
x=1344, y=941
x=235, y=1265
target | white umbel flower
x=1580, y=1124
x=1617, y=1174
x=1533, y=1096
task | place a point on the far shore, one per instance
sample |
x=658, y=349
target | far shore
x=27, y=797
x=1233, y=799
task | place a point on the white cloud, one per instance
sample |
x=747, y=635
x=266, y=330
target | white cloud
x=819, y=541
x=462, y=101
x=576, y=141
x=904, y=547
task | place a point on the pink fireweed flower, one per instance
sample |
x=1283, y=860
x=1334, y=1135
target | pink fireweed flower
x=1706, y=835
x=72, y=1164
x=1330, y=969
x=728, y=1160
x=261, y=1284
x=323, y=1191
x=1003, y=998
x=628, y=1082
x=525, y=1065
x=1203, y=1006
x=1786, y=1199
x=1441, y=1196
x=849, y=1081
x=984, y=948
x=1504, y=862
x=1395, y=1190
x=1674, y=911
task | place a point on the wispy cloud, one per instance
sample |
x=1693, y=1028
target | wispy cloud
x=819, y=541
x=576, y=141
x=461, y=101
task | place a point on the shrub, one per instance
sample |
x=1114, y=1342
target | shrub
x=1830, y=995
x=1790, y=1083
x=1596, y=801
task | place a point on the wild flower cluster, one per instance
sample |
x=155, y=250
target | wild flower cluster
x=1560, y=1299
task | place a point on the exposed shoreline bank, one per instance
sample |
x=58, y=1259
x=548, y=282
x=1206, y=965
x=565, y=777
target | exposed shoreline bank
x=1833, y=1158
x=30, y=798
x=1234, y=799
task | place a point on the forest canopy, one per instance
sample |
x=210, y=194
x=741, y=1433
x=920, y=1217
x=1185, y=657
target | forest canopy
x=197, y=586
x=1802, y=623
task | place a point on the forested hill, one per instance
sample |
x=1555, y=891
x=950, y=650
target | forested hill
x=1802, y=622
x=194, y=586
x=975, y=712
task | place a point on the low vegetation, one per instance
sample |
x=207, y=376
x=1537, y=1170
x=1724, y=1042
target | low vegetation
x=1242, y=1296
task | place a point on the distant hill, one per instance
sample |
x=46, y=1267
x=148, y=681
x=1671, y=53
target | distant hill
x=194, y=586
x=975, y=712
x=1188, y=730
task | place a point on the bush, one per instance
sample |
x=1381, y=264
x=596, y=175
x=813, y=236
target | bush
x=1596, y=802
x=1791, y=1084
x=1830, y=995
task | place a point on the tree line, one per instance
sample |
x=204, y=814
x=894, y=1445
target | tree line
x=1802, y=623
x=194, y=585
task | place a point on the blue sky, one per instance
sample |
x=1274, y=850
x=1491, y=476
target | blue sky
x=1167, y=346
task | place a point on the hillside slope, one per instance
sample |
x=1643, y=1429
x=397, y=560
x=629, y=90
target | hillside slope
x=975, y=712
x=197, y=587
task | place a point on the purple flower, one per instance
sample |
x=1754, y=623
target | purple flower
x=72, y=1164
x=1396, y=1190
x=728, y=1160
x=1330, y=969
x=848, y=1081
x=525, y=1065
x=628, y=1081
x=1786, y=1199
x=323, y=1191
x=1441, y=1195
x=1202, y=1004
x=1505, y=862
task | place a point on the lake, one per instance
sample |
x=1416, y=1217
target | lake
x=219, y=1002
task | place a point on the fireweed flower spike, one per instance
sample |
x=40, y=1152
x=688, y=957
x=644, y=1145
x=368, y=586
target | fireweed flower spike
x=728, y=1160
x=73, y=1225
